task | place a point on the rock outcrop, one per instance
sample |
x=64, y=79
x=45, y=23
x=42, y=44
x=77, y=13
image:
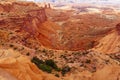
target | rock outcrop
x=110, y=72
x=29, y=19
x=14, y=66
x=20, y=21
x=111, y=42
x=22, y=14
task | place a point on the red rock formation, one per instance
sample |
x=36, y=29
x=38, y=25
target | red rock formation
x=110, y=44
x=118, y=28
x=29, y=18
x=47, y=6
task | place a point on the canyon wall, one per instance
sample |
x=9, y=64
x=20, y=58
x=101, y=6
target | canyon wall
x=27, y=16
x=18, y=19
x=111, y=42
x=30, y=19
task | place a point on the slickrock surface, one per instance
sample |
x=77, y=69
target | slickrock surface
x=111, y=42
x=15, y=66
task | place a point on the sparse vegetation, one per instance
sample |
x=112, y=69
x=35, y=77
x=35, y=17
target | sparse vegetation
x=51, y=63
x=11, y=45
x=28, y=54
x=15, y=48
x=41, y=65
x=87, y=61
x=22, y=48
x=47, y=65
x=57, y=75
x=37, y=61
x=44, y=50
x=65, y=70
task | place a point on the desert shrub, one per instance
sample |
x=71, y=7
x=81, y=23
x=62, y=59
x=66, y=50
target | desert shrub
x=91, y=44
x=85, y=52
x=15, y=48
x=44, y=51
x=22, y=48
x=57, y=75
x=51, y=63
x=63, y=56
x=37, y=61
x=28, y=54
x=10, y=33
x=66, y=51
x=11, y=45
x=88, y=61
x=65, y=70
x=58, y=69
x=45, y=67
x=41, y=65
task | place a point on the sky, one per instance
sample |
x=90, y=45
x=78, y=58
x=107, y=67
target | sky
x=78, y=1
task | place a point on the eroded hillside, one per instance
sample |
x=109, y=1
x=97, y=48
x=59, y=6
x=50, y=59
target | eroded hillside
x=14, y=66
x=32, y=38
x=110, y=43
x=82, y=29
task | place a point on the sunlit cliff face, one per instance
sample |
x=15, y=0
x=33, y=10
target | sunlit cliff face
x=76, y=30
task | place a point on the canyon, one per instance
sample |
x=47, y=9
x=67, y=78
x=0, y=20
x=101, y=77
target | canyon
x=83, y=44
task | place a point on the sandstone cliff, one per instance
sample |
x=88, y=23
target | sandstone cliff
x=111, y=42
x=29, y=19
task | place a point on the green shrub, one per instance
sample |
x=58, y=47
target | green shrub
x=41, y=65
x=51, y=63
x=58, y=69
x=37, y=61
x=45, y=67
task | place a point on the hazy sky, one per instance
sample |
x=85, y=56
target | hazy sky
x=112, y=1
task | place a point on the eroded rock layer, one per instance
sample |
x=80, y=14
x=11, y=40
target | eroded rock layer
x=14, y=66
x=111, y=42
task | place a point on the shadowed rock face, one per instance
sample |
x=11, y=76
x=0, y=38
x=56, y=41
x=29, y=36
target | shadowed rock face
x=118, y=28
